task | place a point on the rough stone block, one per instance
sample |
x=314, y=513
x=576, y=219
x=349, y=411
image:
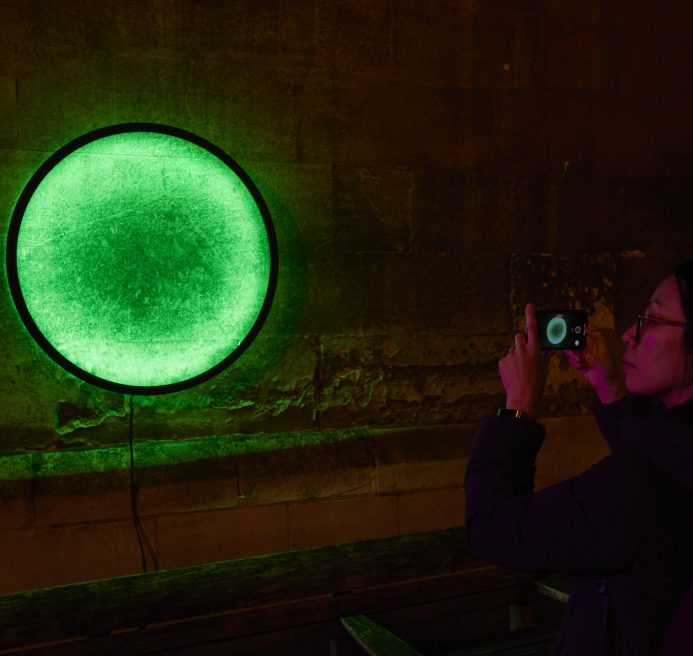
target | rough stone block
x=319, y=523
x=523, y=141
x=84, y=498
x=353, y=35
x=307, y=472
x=193, y=538
x=381, y=293
x=461, y=213
x=500, y=52
x=299, y=29
x=16, y=503
x=639, y=135
x=243, y=27
x=569, y=122
x=314, y=116
x=372, y=210
x=42, y=557
x=61, y=98
x=29, y=384
x=419, y=379
x=119, y=26
x=423, y=459
x=579, y=56
x=299, y=198
x=8, y=110
x=577, y=281
x=62, y=28
x=377, y=121
x=432, y=42
x=577, y=196
x=271, y=387
x=16, y=169
x=205, y=484
x=245, y=111
x=153, y=89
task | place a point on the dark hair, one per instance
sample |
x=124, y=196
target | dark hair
x=684, y=277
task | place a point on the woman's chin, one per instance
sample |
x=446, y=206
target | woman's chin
x=632, y=386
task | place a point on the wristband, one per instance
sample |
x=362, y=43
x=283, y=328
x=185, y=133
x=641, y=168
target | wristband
x=518, y=414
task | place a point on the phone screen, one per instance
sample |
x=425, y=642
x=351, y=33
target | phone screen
x=562, y=329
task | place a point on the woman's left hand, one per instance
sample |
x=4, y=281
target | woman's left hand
x=523, y=370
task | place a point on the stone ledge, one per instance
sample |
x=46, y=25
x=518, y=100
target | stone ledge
x=92, y=484
x=88, y=485
x=243, y=496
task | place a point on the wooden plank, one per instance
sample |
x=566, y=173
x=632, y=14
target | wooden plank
x=144, y=599
x=556, y=587
x=524, y=642
x=417, y=602
x=376, y=639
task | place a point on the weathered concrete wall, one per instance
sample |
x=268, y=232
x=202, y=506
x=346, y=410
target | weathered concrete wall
x=414, y=156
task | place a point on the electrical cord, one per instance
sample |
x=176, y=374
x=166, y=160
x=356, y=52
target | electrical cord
x=142, y=538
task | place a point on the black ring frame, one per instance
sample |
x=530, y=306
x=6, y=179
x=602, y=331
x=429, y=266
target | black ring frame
x=18, y=297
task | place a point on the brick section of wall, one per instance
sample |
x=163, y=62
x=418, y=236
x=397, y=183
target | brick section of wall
x=319, y=523
x=390, y=482
x=41, y=557
x=191, y=538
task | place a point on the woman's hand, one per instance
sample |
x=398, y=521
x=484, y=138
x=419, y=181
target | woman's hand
x=523, y=370
x=599, y=367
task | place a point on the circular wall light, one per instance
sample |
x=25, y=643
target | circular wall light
x=142, y=258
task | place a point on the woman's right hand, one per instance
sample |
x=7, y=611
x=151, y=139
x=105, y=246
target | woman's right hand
x=599, y=367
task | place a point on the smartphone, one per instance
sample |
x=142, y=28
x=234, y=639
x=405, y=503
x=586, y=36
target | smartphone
x=562, y=329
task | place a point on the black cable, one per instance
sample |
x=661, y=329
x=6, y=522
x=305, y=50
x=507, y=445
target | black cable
x=142, y=538
x=133, y=492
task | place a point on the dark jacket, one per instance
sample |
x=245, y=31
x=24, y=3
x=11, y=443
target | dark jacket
x=623, y=529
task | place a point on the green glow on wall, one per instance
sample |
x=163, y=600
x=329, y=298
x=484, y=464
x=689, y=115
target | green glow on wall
x=164, y=453
x=145, y=258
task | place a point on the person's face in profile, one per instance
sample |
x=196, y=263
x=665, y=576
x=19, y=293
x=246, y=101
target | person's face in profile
x=654, y=364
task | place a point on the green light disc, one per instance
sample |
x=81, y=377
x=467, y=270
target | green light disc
x=142, y=258
x=556, y=330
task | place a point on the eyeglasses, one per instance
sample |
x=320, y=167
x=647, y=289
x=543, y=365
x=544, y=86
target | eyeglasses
x=642, y=321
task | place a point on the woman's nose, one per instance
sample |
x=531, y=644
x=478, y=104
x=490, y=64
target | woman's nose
x=629, y=336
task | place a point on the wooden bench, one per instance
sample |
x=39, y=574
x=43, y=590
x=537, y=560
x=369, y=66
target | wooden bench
x=424, y=588
x=378, y=641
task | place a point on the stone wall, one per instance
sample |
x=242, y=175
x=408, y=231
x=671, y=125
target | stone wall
x=429, y=166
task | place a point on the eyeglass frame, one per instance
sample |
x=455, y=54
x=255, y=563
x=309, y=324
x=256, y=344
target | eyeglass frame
x=639, y=318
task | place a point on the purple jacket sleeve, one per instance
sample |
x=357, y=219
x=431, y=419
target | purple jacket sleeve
x=589, y=524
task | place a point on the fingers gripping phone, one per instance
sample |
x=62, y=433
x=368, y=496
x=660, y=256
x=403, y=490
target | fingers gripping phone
x=562, y=329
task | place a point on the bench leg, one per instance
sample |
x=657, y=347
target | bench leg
x=376, y=640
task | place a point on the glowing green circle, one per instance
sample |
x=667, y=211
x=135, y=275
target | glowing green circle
x=144, y=258
x=556, y=330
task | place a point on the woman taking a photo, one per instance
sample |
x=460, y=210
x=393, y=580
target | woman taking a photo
x=624, y=528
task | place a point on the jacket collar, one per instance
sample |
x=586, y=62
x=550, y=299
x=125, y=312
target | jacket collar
x=663, y=435
x=644, y=407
